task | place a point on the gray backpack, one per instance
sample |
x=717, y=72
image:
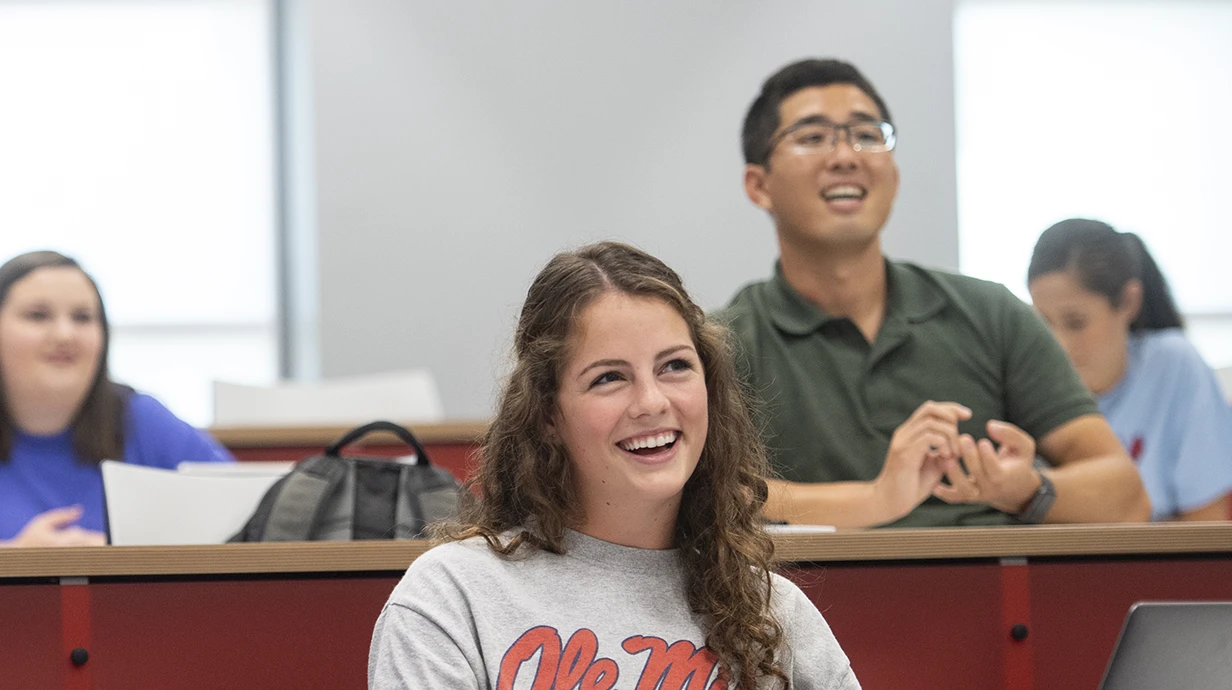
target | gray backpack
x=331, y=497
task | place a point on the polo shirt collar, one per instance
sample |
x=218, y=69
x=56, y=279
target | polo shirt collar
x=911, y=296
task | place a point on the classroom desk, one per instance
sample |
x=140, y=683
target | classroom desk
x=449, y=444
x=914, y=609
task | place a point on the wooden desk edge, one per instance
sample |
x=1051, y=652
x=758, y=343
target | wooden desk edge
x=854, y=545
x=249, y=437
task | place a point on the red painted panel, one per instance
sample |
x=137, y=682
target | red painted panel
x=923, y=627
x=30, y=640
x=75, y=631
x=1016, y=611
x=1077, y=608
x=268, y=634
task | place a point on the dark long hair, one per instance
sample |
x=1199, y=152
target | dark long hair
x=98, y=427
x=1104, y=261
x=525, y=477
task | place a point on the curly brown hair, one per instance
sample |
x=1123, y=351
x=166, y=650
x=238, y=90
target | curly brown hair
x=525, y=478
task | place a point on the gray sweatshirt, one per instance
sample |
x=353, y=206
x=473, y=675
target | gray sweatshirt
x=601, y=616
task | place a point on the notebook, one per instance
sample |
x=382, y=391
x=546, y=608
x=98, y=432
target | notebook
x=1173, y=646
x=146, y=505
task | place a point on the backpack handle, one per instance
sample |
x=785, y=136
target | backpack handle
x=403, y=433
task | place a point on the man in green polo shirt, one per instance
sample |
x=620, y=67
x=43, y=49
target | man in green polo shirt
x=897, y=394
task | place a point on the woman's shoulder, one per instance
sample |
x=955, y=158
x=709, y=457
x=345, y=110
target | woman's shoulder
x=456, y=568
x=143, y=406
x=794, y=610
x=146, y=412
x=465, y=560
x=147, y=419
x=813, y=653
x=785, y=594
x=1166, y=340
x=454, y=554
x=1168, y=350
x=156, y=436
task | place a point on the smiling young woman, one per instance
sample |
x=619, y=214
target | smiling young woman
x=60, y=413
x=617, y=531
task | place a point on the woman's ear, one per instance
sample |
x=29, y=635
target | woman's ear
x=1131, y=300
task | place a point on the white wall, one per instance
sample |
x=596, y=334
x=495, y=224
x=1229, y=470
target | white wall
x=454, y=147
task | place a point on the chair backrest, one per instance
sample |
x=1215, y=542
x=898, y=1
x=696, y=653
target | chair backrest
x=250, y=468
x=403, y=396
x=148, y=506
x=1173, y=645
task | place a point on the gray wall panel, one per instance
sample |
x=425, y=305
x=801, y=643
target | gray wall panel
x=456, y=146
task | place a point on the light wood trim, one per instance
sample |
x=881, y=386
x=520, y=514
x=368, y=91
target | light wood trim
x=1009, y=542
x=214, y=559
x=845, y=545
x=293, y=436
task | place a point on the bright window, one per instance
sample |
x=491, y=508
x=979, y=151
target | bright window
x=138, y=137
x=1110, y=110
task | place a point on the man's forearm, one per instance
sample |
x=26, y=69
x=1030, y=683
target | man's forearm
x=842, y=504
x=1103, y=489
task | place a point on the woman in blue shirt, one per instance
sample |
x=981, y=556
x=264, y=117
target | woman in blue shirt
x=1109, y=305
x=61, y=414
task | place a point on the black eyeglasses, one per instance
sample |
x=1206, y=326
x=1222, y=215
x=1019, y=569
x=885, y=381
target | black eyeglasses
x=807, y=138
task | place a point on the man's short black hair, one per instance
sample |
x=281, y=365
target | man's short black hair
x=763, y=117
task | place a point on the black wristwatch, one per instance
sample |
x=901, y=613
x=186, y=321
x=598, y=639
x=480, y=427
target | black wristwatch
x=1040, y=503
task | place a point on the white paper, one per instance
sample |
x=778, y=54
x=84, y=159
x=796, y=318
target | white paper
x=147, y=506
x=799, y=529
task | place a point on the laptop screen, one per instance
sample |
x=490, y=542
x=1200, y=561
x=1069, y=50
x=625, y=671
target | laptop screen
x=1173, y=645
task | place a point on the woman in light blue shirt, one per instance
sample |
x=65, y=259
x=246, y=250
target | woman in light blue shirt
x=1107, y=302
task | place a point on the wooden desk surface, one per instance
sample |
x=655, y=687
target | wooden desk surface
x=845, y=545
x=464, y=431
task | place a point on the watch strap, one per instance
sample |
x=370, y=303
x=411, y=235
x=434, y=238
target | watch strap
x=1040, y=503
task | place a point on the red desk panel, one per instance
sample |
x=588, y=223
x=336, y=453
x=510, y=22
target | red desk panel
x=914, y=609
x=1077, y=608
x=916, y=626
x=268, y=634
x=30, y=637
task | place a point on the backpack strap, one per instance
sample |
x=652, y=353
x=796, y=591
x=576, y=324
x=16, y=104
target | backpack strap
x=425, y=495
x=403, y=433
x=297, y=510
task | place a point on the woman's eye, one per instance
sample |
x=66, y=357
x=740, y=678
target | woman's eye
x=606, y=377
x=678, y=365
x=83, y=317
x=1075, y=324
x=38, y=315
